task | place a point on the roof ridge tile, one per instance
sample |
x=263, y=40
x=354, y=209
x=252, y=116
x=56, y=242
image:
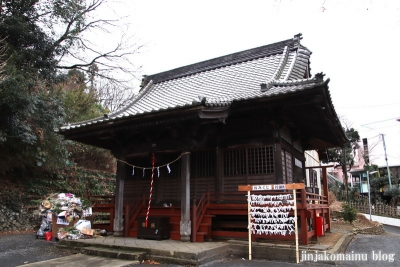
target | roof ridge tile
x=223, y=61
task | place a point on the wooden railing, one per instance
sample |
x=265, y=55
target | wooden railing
x=315, y=200
x=309, y=205
x=131, y=210
x=198, y=212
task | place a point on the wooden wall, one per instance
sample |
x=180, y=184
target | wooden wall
x=245, y=165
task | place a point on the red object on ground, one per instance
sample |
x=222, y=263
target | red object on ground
x=319, y=221
x=48, y=236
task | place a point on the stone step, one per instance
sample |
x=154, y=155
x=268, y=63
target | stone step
x=189, y=258
x=171, y=252
x=117, y=253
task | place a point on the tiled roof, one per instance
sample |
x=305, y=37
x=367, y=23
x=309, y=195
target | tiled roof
x=281, y=67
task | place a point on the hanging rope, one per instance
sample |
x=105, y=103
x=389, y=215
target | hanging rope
x=152, y=176
x=153, y=160
x=144, y=168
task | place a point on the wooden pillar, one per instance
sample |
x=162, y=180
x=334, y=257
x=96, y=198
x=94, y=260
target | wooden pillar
x=119, y=198
x=326, y=194
x=278, y=164
x=185, y=224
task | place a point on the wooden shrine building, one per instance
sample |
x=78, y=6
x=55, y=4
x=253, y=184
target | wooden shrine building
x=243, y=118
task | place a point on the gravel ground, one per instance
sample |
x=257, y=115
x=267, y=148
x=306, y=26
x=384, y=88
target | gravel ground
x=21, y=248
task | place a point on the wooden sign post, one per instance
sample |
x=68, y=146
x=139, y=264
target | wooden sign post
x=272, y=187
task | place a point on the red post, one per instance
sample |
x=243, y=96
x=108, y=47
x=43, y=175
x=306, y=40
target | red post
x=127, y=216
x=194, y=222
x=304, y=230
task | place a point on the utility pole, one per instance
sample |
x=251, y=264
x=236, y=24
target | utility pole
x=387, y=164
x=344, y=169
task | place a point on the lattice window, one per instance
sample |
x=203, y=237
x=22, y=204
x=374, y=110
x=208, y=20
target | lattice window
x=252, y=161
x=261, y=160
x=283, y=166
x=287, y=167
x=203, y=163
x=234, y=162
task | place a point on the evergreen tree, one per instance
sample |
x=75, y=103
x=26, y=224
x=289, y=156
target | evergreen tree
x=343, y=157
x=41, y=38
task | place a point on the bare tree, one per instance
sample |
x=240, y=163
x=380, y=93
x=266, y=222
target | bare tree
x=89, y=33
x=112, y=95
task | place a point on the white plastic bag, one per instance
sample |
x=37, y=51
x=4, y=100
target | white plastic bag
x=83, y=224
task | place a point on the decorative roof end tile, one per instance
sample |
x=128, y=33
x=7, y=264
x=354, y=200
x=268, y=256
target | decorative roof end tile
x=263, y=87
x=145, y=81
x=202, y=99
x=319, y=77
x=266, y=86
x=297, y=39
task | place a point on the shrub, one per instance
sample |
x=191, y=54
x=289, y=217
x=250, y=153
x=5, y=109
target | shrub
x=349, y=213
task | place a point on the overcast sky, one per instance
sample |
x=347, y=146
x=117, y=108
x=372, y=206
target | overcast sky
x=355, y=43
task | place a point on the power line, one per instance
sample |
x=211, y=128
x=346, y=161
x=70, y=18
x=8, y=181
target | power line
x=364, y=125
x=370, y=106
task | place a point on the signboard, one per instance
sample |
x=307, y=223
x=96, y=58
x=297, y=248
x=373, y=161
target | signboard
x=275, y=228
x=267, y=187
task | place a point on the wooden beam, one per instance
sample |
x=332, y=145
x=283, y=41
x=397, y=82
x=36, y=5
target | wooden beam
x=271, y=187
x=319, y=167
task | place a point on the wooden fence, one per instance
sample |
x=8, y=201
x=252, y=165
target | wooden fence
x=377, y=209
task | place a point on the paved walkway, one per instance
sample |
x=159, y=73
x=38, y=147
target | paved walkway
x=144, y=244
x=383, y=220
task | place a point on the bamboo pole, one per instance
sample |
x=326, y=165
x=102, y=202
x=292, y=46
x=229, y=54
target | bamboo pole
x=249, y=222
x=295, y=226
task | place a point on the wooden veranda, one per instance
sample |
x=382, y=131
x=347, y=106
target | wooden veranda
x=215, y=215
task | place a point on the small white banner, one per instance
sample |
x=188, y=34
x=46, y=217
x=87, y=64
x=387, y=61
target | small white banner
x=62, y=221
x=298, y=163
x=261, y=187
